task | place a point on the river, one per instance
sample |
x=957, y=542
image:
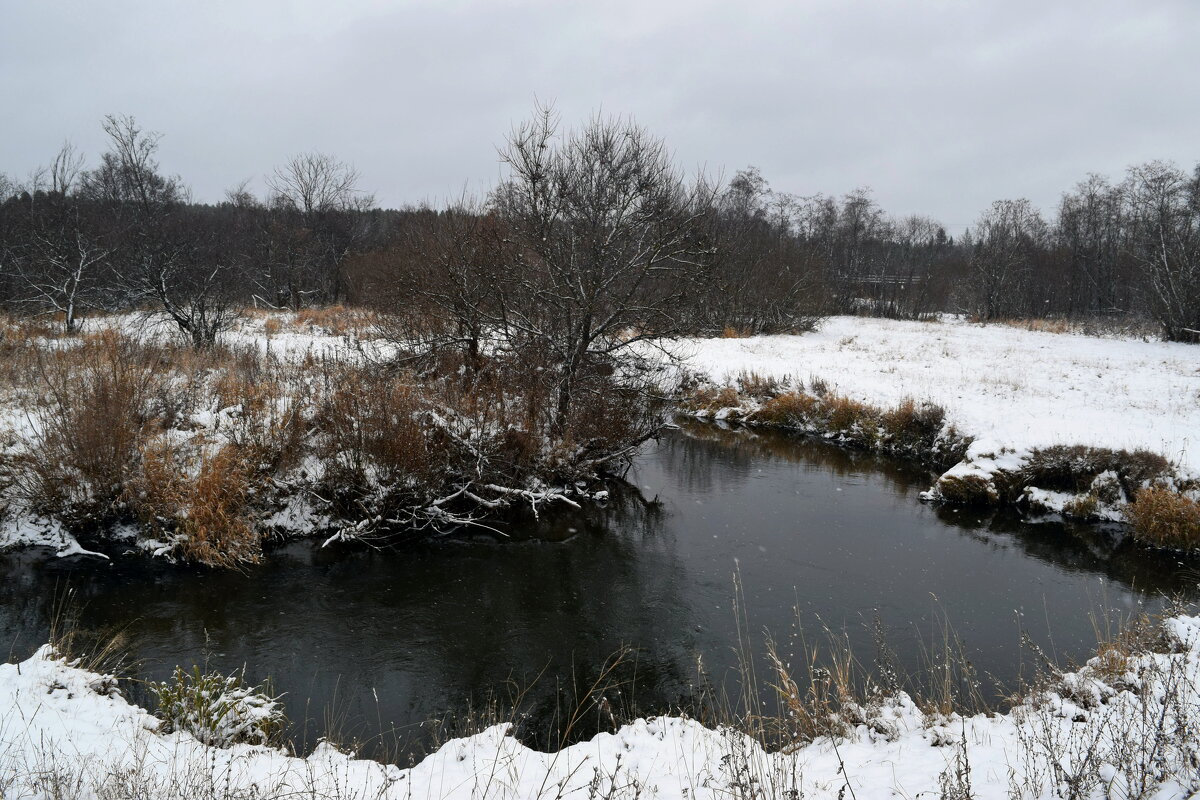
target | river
x=372, y=643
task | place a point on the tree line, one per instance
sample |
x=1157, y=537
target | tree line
x=594, y=240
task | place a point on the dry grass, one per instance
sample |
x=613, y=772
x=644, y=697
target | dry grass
x=752, y=384
x=206, y=509
x=967, y=490
x=1041, y=324
x=92, y=421
x=911, y=429
x=848, y=416
x=1164, y=518
x=1075, y=468
x=338, y=320
x=372, y=433
x=792, y=409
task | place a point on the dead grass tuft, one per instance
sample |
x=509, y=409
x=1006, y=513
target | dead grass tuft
x=1164, y=518
x=846, y=415
x=752, y=384
x=967, y=490
x=207, y=510
x=1075, y=468
x=793, y=409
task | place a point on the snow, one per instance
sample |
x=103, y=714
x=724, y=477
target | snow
x=62, y=722
x=1010, y=388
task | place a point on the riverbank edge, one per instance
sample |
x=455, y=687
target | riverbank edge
x=1140, y=491
x=1135, y=706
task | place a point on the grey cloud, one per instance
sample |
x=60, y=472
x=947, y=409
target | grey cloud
x=940, y=107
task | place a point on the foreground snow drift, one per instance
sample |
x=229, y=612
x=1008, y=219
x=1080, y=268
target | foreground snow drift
x=1128, y=724
x=1011, y=388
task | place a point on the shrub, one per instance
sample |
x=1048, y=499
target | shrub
x=968, y=490
x=91, y=426
x=219, y=710
x=913, y=426
x=371, y=437
x=755, y=385
x=1165, y=518
x=846, y=415
x=338, y=320
x=949, y=448
x=268, y=415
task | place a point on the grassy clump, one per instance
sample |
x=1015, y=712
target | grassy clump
x=968, y=490
x=219, y=710
x=1075, y=468
x=1164, y=518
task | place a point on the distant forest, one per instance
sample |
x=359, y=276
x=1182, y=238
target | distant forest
x=594, y=227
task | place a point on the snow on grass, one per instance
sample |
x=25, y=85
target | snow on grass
x=1127, y=724
x=1007, y=387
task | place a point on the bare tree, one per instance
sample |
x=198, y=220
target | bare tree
x=315, y=183
x=323, y=194
x=763, y=279
x=441, y=280
x=65, y=169
x=162, y=255
x=57, y=270
x=128, y=178
x=240, y=195
x=1007, y=239
x=1165, y=208
x=1092, y=230
x=610, y=240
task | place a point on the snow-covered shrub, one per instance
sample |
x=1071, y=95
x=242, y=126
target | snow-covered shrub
x=912, y=429
x=217, y=709
x=1125, y=725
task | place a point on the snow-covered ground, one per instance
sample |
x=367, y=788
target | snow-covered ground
x=1012, y=387
x=1117, y=728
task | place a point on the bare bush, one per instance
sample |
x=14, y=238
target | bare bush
x=92, y=422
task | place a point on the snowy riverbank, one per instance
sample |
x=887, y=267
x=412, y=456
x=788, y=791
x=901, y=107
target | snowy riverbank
x=1127, y=724
x=1010, y=390
x=1011, y=387
x=1092, y=428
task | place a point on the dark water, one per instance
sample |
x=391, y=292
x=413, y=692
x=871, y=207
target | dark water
x=366, y=641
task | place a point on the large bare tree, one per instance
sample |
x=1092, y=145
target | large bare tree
x=610, y=239
x=1007, y=240
x=162, y=255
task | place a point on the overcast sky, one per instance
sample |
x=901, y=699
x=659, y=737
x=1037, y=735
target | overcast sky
x=939, y=107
